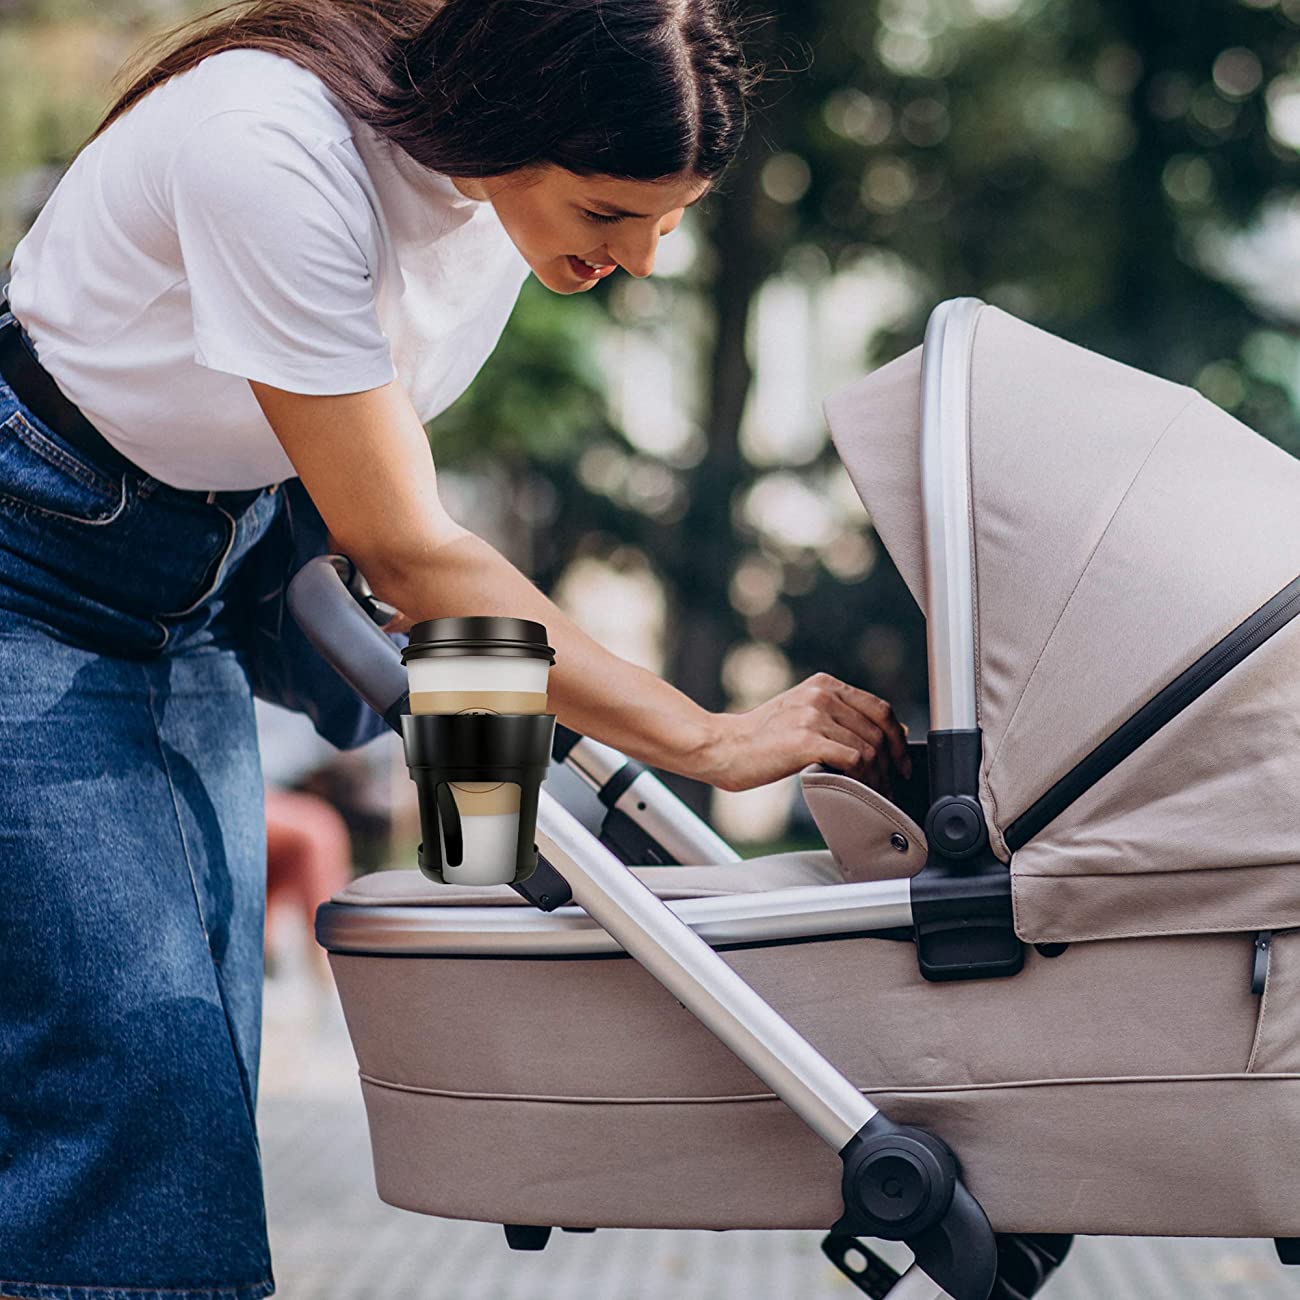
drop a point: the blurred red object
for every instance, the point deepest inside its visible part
(308, 859)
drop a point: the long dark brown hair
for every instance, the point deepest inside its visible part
(635, 89)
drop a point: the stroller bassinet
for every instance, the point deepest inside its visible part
(1105, 1034)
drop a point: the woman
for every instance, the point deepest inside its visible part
(289, 244)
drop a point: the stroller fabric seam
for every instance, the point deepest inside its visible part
(550, 1099)
(909, 828)
(1101, 537)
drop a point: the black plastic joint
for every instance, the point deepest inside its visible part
(898, 1181)
(565, 739)
(954, 762)
(903, 1184)
(616, 787)
(955, 826)
(961, 898)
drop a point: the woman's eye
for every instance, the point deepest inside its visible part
(602, 217)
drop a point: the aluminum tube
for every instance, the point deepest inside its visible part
(946, 506)
(668, 821)
(595, 761)
(698, 978)
(806, 912)
(652, 806)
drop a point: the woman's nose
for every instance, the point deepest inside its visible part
(636, 253)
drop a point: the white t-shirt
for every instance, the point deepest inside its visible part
(237, 223)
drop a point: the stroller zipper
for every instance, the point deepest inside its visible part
(1161, 709)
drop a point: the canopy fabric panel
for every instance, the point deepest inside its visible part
(1196, 832)
(1123, 525)
(875, 425)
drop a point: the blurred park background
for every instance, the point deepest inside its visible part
(1123, 173)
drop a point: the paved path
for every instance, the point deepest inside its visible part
(333, 1239)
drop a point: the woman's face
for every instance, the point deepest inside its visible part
(576, 230)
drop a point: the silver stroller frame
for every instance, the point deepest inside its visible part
(899, 1182)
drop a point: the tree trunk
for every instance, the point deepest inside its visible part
(703, 550)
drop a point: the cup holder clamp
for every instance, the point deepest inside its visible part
(442, 748)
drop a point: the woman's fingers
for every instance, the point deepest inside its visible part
(881, 713)
(872, 768)
(870, 719)
(873, 752)
(860, 725)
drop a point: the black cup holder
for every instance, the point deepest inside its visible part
(446, 747)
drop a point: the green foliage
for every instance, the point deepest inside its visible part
(540, 396)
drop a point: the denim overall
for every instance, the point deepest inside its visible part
(132, 874)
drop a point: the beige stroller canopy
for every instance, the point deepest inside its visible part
(1130, 543)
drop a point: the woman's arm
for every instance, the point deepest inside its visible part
(365, 460)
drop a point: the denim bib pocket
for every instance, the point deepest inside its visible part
(43, 474)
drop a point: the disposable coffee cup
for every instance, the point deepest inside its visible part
(480, 664)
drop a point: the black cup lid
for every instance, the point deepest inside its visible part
(478, 634)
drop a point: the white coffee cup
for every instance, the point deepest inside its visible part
(480, 664)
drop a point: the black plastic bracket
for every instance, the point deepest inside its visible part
(1288, 1250)
(545, 888)
(526, 1236)
(379, 612)
(1026, 1262)
(961, 898)
(631, 843)
(901, 1183)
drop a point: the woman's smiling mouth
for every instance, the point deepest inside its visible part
(585, 270)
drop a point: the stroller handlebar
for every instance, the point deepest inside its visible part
(330, 600)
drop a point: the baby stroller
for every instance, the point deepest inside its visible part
(1055, 989)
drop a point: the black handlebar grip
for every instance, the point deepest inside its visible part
(345, 634)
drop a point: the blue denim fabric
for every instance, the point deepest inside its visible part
(284, 666)
(132, 870)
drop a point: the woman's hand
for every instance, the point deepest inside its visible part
(821, 720)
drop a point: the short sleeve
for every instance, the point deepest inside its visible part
(278, 248)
